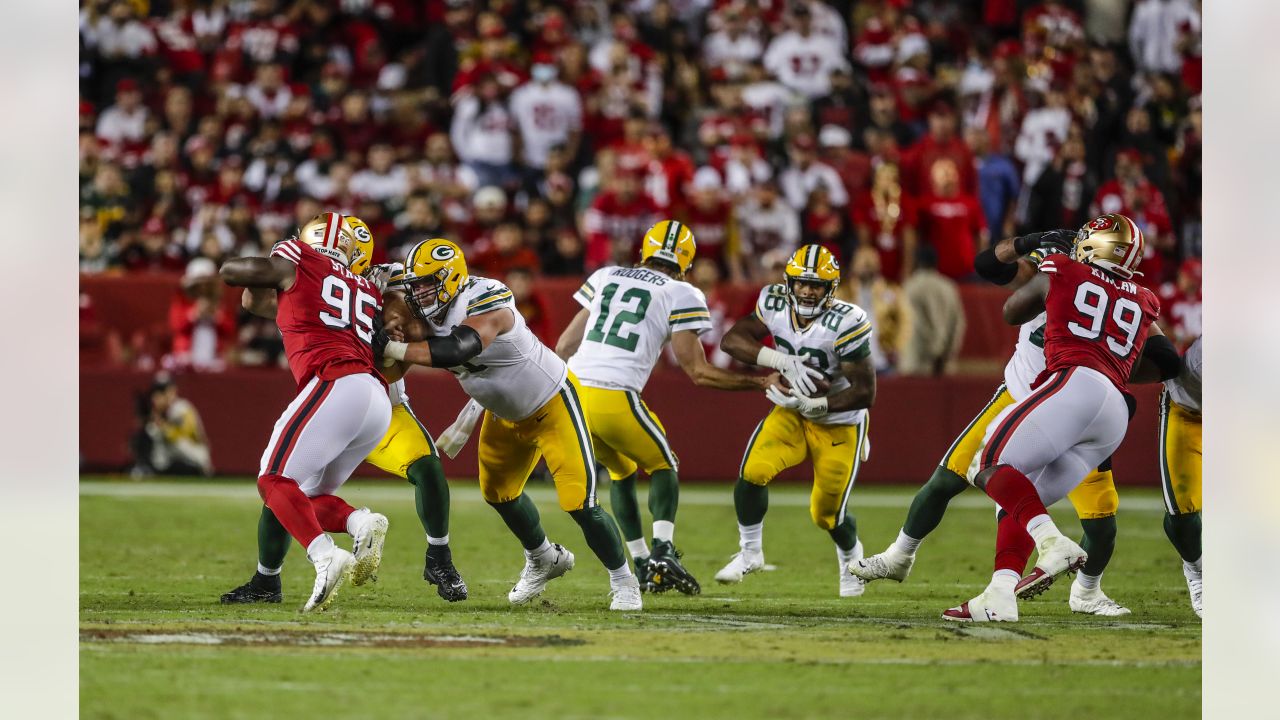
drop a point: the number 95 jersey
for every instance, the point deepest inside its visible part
(633, 312)
(842, 333)
(1095, 319)
(326, 316)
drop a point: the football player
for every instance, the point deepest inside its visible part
(532, 410)
(406, 450)
(1040, 448)
(326, 315)
(1011, 263)
(817, 339)
(628, 315)
(1180, 467)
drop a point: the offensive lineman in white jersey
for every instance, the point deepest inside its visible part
(816, 336)
(532, 410)
(1181, 458)
(628, 315)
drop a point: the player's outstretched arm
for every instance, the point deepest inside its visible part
(571, 338)
(1004, 263)
(1027, 301)
(1159, 361)
(262, 302)
(693, 360)
(273, 273)
(861, 393)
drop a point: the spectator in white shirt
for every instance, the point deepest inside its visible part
(483, 134)
(805, 173)
(268, 92)
(382, 180)
(732, 47)
(1043, 131)
(125, 121)
(768, 232)
(118, 35)
(1154, 33)
(549, 113)
(803, 60)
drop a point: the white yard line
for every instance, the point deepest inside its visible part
(719, 495)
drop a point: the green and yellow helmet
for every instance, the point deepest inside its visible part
(362, 253)
(434, 273)
(671, 241)
(812, 264)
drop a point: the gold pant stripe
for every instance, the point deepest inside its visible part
(570, 397)
(853, 473)
(425, 433)
(659, 438)
(946, 459)
(742, 467)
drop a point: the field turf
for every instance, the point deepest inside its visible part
(155, 643)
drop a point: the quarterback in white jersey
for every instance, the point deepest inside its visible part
(1181, 458)
(532, 410)
(628, 315)
(821, 346)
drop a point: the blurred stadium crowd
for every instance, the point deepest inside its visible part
(546, 137)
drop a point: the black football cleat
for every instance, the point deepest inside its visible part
(439, 571)
(666, 571)
(260, 589)
(645, 576)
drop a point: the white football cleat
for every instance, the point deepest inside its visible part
(369, 535)
(1094, 602)
(1058, 554)
(331, 573)
(626, 595)
(743, 563)
(537, 573)
(892, 564)
(851, 585)
(990, 606)
(1195, 586)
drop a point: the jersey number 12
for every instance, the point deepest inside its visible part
(616, 335)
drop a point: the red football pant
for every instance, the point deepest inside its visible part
(332, 512)
(291, 507)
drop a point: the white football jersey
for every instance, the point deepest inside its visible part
(1028, 358)
(634, 311)
(396, 393)
(546, 114)
(516, 374)
(843, 332)
(1184, 390)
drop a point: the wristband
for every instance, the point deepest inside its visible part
(395, 349)
(770, 358)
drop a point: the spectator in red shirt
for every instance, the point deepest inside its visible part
(941, 142)
(884, 217)
(531, 303)
(203, 330)
(616, 220)
(1131, 194)
(504, 250)
(709, 214)
(951, 221)
(670, 169)
(1181, 304)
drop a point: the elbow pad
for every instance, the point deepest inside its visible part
(1160, 350)
(989, 268)
(455, 348)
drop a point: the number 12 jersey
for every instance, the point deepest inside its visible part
(633, 313)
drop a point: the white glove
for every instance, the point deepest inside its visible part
(812, 408)
(380, 275)
(793, 367)
(455, 437)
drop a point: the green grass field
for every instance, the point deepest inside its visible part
(155, 643)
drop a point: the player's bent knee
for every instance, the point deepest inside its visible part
(757, 475)
(823, 518)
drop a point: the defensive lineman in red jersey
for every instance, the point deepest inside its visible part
(1039, 449)
(326, 317)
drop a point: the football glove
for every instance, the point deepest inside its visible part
(455, 437)
(380, 275)
(798, 373)
(811, 408)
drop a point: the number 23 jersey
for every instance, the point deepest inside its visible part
(842, 333)
(325, 317)
(1095, 319)
(633, 312)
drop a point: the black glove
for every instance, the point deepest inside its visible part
(380, 338)
(1052, 240)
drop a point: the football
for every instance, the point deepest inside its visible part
(823, 385)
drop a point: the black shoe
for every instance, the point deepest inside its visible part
(439, 571)
(666, 572)
(260, 589)
(645, 576)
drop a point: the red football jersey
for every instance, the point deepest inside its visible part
(1095, 319)
(326, 317)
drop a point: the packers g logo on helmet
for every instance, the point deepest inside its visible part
(812, 264)
(434, 273)
(330, 235)
(671, 241)
(362, 255)
(1112, 242)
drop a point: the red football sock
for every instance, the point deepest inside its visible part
(332, 512)
(1013, 545)
(291, 507)
(1015, 494)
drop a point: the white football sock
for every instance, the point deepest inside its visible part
(438, 541)
(906, 544)
(320, 548)
(1004, 580)
(539, 551)
(620, 574)
(1192, 569)
(848, 556)
(751, 537)
(638, 549)
(264, 570)
(355, 517)
(663, 530)
(1041, 528)
(1088, 582)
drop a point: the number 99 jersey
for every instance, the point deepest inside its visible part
(633, 312)
(326, 316)
(842, 333)
(1095, 319)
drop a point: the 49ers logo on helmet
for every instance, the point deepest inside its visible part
(1101, 223)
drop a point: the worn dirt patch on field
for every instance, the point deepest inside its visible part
(322, 639)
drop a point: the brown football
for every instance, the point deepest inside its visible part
(396, 315)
